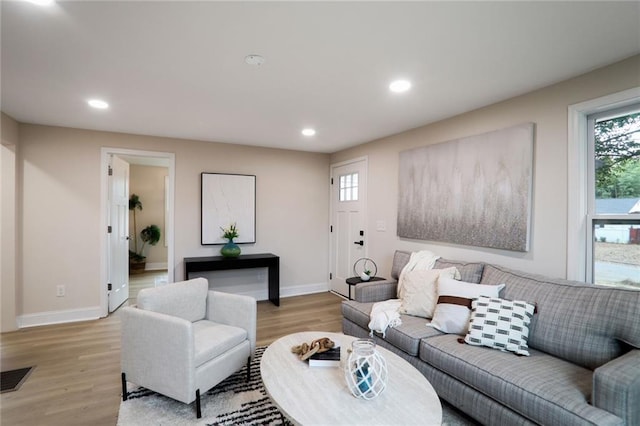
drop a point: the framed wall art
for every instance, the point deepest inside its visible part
(474, 191)
(228, 199)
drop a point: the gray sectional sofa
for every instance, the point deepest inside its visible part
(584, 344)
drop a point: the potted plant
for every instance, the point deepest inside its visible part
(149, 235)
(365, 275)
(230, 249)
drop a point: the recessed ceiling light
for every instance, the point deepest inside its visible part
(97, 103)
(254, 60)
(400, 86)
(308, 132)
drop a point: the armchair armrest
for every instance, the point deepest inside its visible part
(616, 387)
(164, 342)
(234, 309)
(376, 291)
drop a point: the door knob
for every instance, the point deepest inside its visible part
(360, 243)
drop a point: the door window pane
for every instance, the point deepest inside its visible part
(349, 187)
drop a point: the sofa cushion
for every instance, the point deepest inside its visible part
(400, 260)
(405, 337)
(469, 271)
(419, 292)
(582, 323)
(185, 299)
(212, 339)
(453, 310)
(500, 324)
(357, 312)
(542, 388)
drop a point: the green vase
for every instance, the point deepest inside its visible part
(230, 249)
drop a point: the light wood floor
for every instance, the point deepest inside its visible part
(145, 280)
(77, 375)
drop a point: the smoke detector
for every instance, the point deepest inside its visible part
(254, 60)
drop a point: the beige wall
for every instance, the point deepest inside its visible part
(8, 223)
(148, 183)
(62, 199)
(548, 109)
(57, 188)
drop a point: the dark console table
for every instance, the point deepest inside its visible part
(244, 261)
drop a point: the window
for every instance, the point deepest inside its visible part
(613, 197)
(349, 187)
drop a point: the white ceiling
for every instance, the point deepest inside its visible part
(177, 68)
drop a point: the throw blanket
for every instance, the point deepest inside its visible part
(384, 314)
(419, 260)
(387, 314)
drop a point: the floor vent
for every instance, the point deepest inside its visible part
(12, 380)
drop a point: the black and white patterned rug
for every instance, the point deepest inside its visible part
(232, 402)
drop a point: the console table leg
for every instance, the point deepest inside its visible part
(274, 283)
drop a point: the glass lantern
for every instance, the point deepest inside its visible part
(366, 370)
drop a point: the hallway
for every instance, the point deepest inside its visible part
(147, 279)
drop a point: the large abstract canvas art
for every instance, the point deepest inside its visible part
(472, 191)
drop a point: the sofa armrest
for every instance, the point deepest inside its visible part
(376, 291)
(164, 342)
(616, 387)
(236, 310)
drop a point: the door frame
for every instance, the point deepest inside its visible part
(332, 202)
(168, 160)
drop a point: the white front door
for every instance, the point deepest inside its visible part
(348, 213)
(118, 253)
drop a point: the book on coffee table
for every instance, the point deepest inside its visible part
(330, 358)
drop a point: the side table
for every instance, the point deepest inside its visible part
(356, 280)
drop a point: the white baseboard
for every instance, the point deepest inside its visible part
(58, 317)
(289, 291)
(156, 266)
(300, 290)
(88, 314)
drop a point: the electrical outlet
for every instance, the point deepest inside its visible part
(60, 291)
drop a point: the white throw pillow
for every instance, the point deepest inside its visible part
(500, 324)
(453, 310)
(419, 293)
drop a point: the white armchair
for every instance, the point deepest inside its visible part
(182, 339)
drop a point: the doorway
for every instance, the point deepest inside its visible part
(147, 279)
(348, 241)
(148, 184)
(140, 161)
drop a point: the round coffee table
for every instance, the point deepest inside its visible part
(319, 395)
